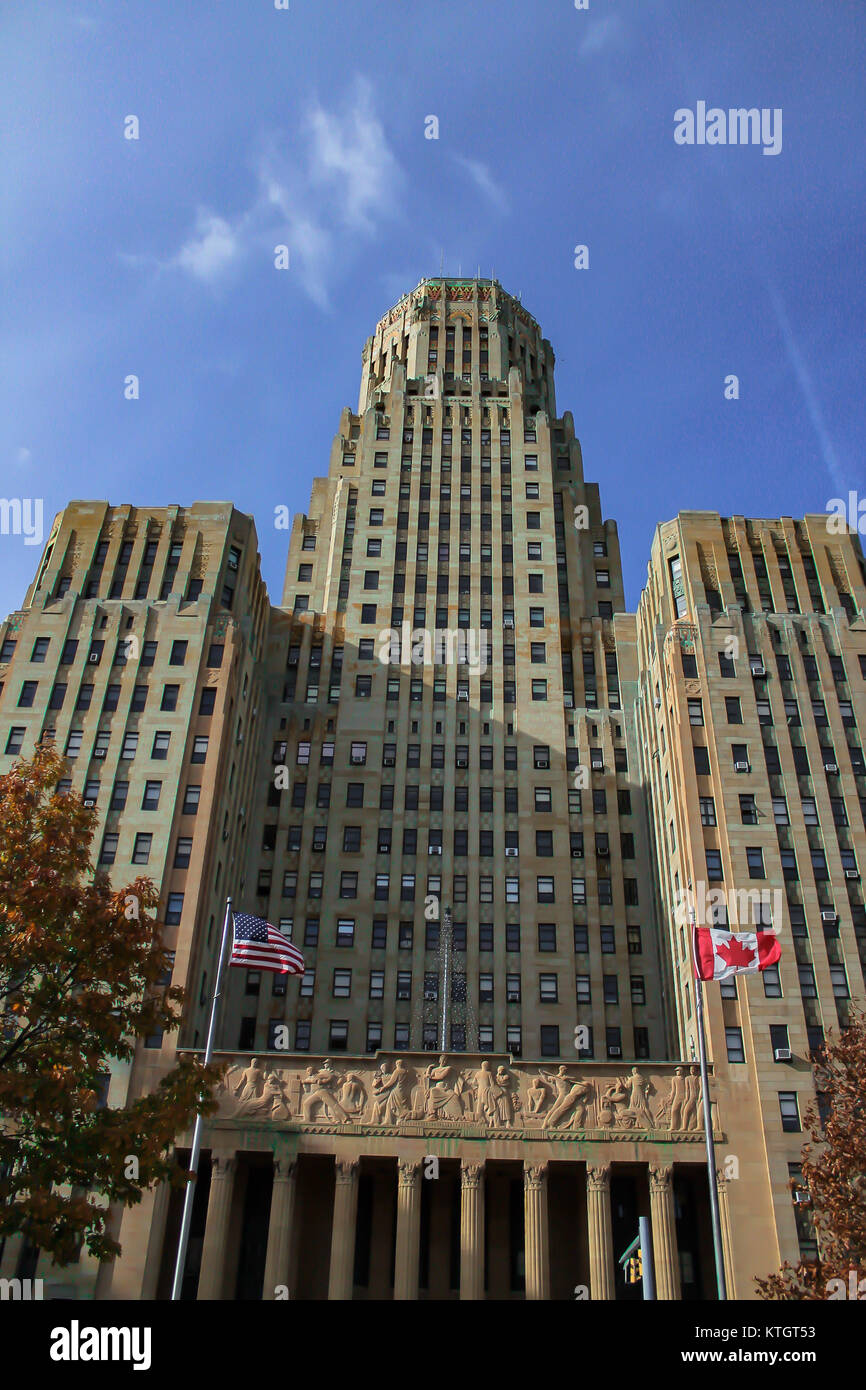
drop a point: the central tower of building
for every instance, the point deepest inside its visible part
(448, 703)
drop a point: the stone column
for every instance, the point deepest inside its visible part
(601, 1276)
(471, 1229)
(211, 1279)
(727, 1232)
(408, 1230)
(340, 1279)
(666, 1260)
(535, 1236)
(280, 1226)
(156, 1240)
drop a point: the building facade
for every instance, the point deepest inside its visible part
(480, 797)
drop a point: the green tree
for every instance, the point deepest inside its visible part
(80, 972)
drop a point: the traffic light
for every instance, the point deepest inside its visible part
(634, 1268)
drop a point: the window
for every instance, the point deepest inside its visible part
(191, 799)
(734, 1044)
(141, 849)
(178, 653)
(150, 800)
(696, 711)
(755, 861)
(549, 1040)
(733, 710)
(108, 853)
(169, 697)
(341, 986)
(174, 909)
(547, 936)
(28, 694)
(708, 810)
(714, 864)
(545, 889)
(702, 760)
(790, 1111)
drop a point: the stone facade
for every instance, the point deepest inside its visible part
(504, 822)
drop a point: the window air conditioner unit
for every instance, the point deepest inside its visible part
(851, 873)
(93, 657)
(542, 763)
(99, 752)
(430, 994)
(402, 994)
(603, 853)
(389, 760)
(800, 1198)
(657, 702)
(462, 694)
(758, 670)
(829, 916)
(434, 849)
(782, 1054)
(568, 701)
(90, 803)
(358, 760)
(742, 767)
(576, 853)
(831, 767)
(462, 762)
(232, 563)
(508, 622)
(513, 998)
(614, 1052)
(511, 853)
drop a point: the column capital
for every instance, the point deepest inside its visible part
(471, 1172)
(534, 1176)
(661, 1176)
(285, 1169)
(346, 1169)
(222, 1162)
(408, 1171)
(598, 1177)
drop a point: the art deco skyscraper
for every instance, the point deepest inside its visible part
(501, 786)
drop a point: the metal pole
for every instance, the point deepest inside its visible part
(189, 1195)
(711, 1151)
(646, 1258)
(446, 980)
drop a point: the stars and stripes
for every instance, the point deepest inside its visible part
(256, 945)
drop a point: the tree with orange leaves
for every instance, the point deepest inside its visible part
(81, 980)
(833, 1179)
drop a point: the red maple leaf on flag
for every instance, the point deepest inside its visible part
(734, 953)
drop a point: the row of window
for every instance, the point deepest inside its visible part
(338, 1038)
(545, 890)
(352, 840)
(547, 935)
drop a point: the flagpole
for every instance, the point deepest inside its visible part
(189, 1196)
(708, 1129)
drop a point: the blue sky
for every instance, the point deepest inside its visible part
(306, 127)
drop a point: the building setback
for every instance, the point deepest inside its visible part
(491, 841)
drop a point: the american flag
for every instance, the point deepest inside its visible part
(259, 946)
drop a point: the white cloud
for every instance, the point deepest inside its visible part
(212, 248)
(340, 180)
(602, 34)
(484, 181)
(23, 456)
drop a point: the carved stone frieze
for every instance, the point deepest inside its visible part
(481, 1097)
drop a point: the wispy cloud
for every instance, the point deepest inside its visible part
(339, 180)
(602, 34)
(807, 387)
(483, 180)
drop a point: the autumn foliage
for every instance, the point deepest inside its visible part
(80, 965)
(834, 1178)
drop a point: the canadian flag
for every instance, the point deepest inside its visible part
(720, 953)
